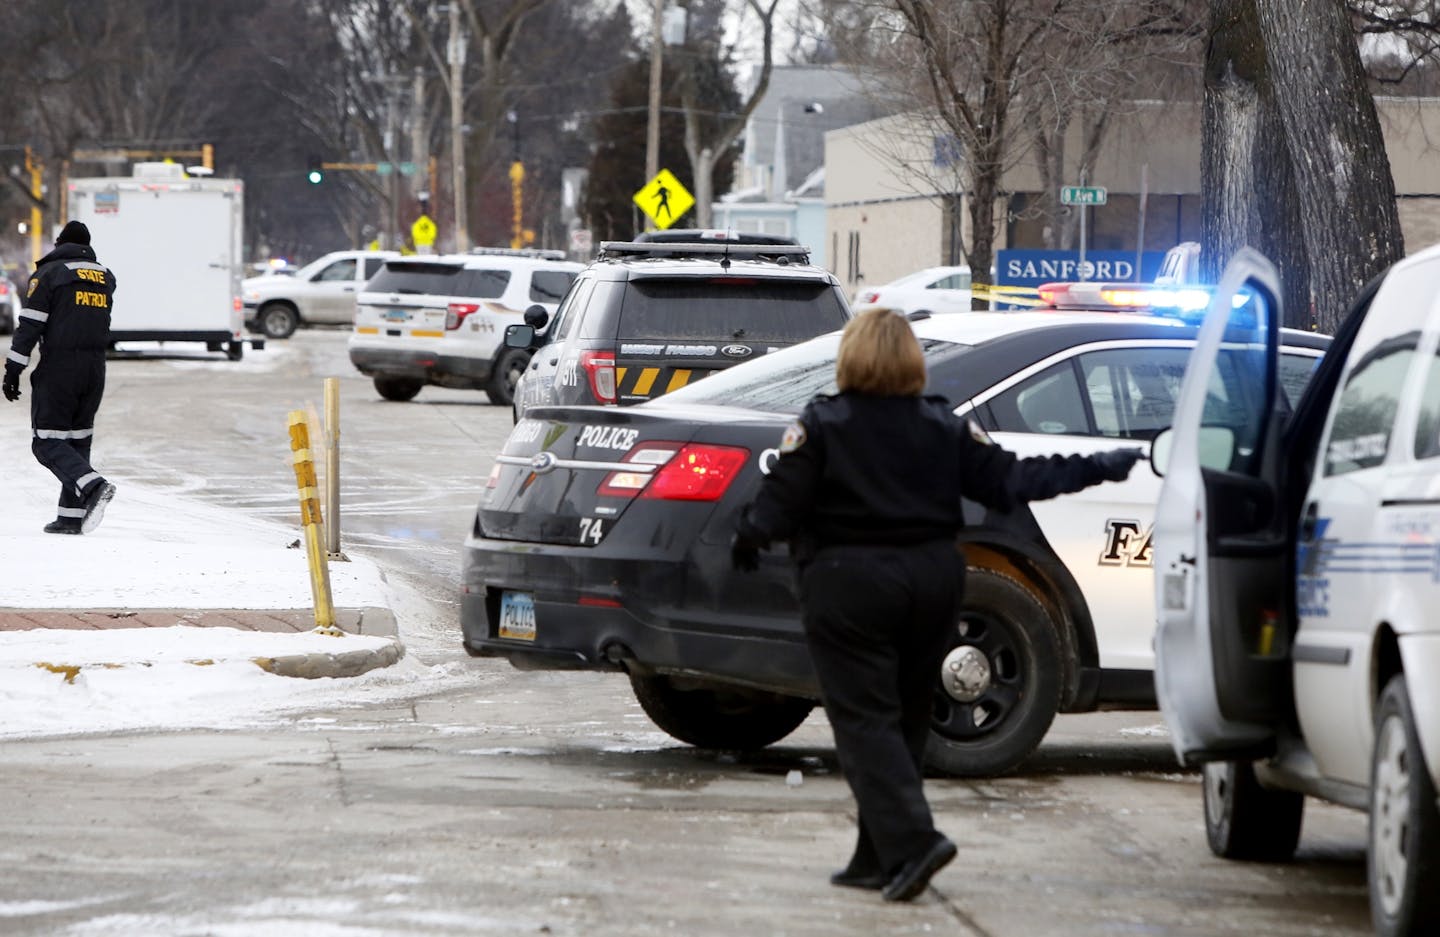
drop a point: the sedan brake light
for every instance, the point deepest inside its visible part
(599, 369)
(688, 471)
(455, 314)
(697, 473)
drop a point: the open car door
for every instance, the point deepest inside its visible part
(1221, 555)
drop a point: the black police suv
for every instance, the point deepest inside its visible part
(648, 317)
(602, 539)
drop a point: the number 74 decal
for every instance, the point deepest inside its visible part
(592, 530)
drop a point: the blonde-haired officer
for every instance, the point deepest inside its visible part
(868, 489)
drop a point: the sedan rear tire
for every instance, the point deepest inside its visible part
(999, 687)
(709, 715)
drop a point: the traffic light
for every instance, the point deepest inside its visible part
(316, 172)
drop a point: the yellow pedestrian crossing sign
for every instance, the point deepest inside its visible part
(664, 199)
(422, 232)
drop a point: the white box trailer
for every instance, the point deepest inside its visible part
(175, 245)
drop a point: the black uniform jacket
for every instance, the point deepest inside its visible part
(864, 470)
(67, 306)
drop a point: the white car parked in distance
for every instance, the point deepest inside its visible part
(1297, 573)
(933, 290)
(323, 292)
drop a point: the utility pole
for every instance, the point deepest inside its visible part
(652, 127)
(457, 127)
(36, 169)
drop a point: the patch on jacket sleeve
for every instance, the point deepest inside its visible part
(978, 433)
(794, 437)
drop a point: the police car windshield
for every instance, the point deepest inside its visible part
(785, 380)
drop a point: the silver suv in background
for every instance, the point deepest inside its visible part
(441, 320)
(323, 292)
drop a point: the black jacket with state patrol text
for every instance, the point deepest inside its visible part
(67, 307)
(865, 470)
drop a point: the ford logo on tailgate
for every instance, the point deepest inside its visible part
(543, 462)
(736, 351)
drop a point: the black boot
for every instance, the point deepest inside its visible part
(96, 497)
(63, 525)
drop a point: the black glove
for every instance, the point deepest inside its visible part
(744, 554)
(11, 386)
(1115, 465)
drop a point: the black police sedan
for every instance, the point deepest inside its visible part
(602, 539)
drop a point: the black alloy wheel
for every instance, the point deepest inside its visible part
(712, 715)
(509, 367)
(999, 686)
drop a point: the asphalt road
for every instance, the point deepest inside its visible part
(540, 803)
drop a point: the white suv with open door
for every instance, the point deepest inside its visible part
(1297, 571)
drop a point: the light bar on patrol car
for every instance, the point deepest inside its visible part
(1125, 297)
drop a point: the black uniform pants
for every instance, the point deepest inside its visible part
(65, 394)
(879, 621)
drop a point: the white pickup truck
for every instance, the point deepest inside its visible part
(322, 292)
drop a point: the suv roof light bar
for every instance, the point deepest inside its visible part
(783, 253)
(520, 252)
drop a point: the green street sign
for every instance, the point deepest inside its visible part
(383, 169)
(1083, 195)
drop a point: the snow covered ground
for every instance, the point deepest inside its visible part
(157, 550)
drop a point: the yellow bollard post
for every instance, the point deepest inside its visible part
(332, 467)
(304, 462)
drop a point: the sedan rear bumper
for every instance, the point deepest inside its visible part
(597, 613)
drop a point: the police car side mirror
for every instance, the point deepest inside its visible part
(1216, 448)
(519, 336)
(536, 317)
(1160, 451)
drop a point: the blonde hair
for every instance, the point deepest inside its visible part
(879, 355)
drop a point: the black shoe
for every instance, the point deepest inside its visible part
(63, 525)
(916, 874)
(851, 878)
(96, 497)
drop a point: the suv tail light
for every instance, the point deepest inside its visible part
(689, 472)
(455, 314)
(600, 371)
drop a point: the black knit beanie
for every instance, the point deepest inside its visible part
(74, 232)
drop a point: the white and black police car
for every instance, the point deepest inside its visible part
(602, 539)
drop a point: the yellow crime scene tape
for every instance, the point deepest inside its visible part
(1027, 296)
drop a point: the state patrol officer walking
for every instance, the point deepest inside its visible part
(868, 488)
(67, 312)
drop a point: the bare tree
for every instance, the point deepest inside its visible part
(1288, 157)
(709, 135)
(997, 78)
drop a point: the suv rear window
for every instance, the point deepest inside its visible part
(729, 308)
(439, 280)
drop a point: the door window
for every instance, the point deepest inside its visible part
(1427, 427)
(373, 265)
(569, 311)
(1132, 391)
(1049, 402)
(1365, 412)
(343, 270)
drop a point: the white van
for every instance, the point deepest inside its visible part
(442, 320)
(1297, 573)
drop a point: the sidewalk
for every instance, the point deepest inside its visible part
(168, 579)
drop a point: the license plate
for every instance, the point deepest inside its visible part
(397, 315)
(517, 616)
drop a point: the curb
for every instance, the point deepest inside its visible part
(373, 621)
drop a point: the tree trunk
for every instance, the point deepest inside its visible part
(1342, 175)
(1246, 181)
(984, 187)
